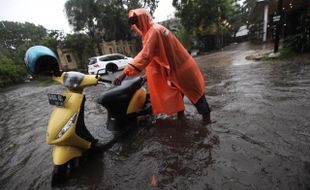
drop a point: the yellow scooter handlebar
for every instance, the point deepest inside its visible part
(76, 80)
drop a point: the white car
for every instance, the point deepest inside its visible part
(107, 63)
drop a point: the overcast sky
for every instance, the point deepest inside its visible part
(50, 13)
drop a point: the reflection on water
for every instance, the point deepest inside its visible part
(260, 139)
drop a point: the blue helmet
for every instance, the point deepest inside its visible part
(41, 60)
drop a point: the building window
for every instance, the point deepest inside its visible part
(110, 49)
(69, 58)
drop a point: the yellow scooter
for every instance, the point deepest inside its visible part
(66, 128)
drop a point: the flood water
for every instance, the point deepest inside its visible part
(260, 138)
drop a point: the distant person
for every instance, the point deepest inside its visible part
(171, 71)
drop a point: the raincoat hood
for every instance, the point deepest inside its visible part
(145, 21)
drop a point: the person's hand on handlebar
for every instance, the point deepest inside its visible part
(119, 79)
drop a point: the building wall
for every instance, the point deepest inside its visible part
(123, 47)
(69, 60)
(292, 11)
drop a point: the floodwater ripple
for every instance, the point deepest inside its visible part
(260, 138)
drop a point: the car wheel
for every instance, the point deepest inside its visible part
(111, 67)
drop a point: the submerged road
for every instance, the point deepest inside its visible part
(260, 138)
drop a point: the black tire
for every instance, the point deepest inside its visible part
(59, 175)
(111, 67)
(74, 164)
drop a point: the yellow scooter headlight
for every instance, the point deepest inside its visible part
(67, 126)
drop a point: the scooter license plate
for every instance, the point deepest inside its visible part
(56, 100)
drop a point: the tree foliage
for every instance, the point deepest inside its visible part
(14, 34)
(53, 39)
(248, 7)
(104, 19)
(239, 16)
(10, 72)
(179, 31)
(201, 16)
(81, 44)
(15, 39)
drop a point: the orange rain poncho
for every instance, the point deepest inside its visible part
(170, 70)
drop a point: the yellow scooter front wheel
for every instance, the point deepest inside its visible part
(63, 157)
(60, 172)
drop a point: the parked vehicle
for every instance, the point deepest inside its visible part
(66, 129)
(107, 63)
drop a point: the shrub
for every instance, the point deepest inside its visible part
(298, 43)
(10, 72)
(287, 53)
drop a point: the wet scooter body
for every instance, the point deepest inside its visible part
(66, 128)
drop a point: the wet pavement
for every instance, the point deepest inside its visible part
(260, 140)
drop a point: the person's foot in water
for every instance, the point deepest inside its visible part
(181, 115)
(206, 118)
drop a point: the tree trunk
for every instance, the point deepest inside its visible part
(99, 47)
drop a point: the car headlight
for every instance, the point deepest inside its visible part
(67, 126)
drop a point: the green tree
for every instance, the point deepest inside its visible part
(81, 43)
(14, 34)
(103, 19)
(83, 15)
(179, 31)
(10, 72)
(151, 5)
(53, 39)
(199, 16)
(206, 19)
(112, 21)
(15, 39)
(247, 7)
(237, 18)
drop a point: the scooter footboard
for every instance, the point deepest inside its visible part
(62, 154)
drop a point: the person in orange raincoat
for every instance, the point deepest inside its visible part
(170, 70)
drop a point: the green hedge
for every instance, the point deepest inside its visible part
(298, 43)
(11, 72)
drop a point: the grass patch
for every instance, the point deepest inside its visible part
(258, 57)
(44, 82)
(286, 53)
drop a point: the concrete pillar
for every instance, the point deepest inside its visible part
(265, 22)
